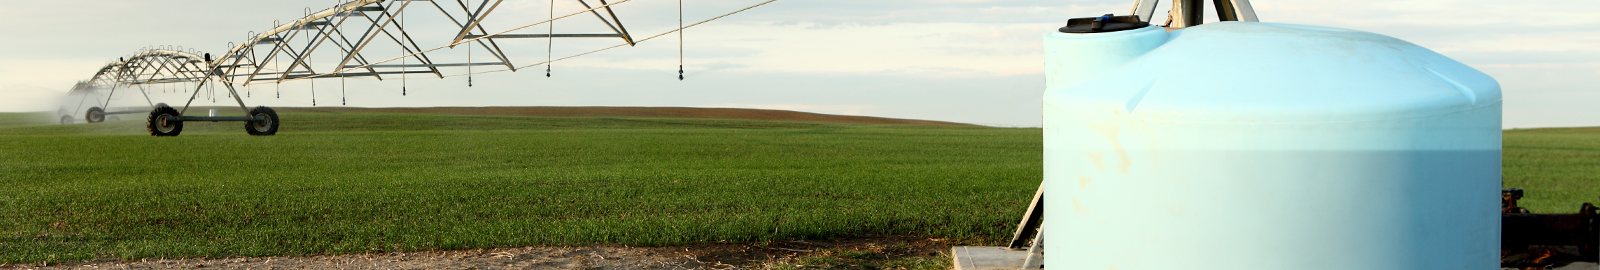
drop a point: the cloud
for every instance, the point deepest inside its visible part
(1570, 58)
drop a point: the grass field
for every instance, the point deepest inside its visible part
(334, 183)
(1559, 168)
(345, 183)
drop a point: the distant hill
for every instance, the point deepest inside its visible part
(646, 112)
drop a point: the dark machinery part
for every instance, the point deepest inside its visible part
(266, 125)
(95, 115)
(1226, 11)
(1104, 23)
(1193, 12)
(1508, 202)
(164, 121)
(1545, 240)
(66, 119)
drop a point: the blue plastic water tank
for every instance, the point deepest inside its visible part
(1245, 145)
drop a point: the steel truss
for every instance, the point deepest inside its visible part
(281, 54)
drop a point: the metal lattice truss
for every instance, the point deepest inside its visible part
(351, 31)
(291, 43)
(153, 66)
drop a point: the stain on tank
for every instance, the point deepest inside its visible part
(1076, 209)
(1095, 157)
(1111, 130)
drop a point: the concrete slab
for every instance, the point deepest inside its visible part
(996, 258)
(987, 258)
(1571, 266)
(1579, 266)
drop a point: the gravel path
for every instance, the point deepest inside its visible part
(707, 256)
(503, 258)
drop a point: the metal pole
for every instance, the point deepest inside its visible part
(472, 21)
(1193, 13)
(364, 43)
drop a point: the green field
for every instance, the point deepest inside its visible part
(1559, 168)
(348, 183)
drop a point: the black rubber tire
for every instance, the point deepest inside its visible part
(95, 115)
(265, 127)
(66, 120)
(163, 121)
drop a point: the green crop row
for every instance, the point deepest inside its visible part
(426, 182)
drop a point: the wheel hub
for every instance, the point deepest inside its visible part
(166, 124)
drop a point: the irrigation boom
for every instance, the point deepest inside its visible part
(283, 54)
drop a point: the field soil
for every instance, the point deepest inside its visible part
(632, 112)
(860, 253)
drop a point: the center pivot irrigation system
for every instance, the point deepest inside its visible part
(283, 54)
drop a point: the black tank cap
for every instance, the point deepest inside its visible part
(1104, 23)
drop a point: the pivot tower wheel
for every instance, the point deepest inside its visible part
(95, 115)
(266, 122)
(164, 121)
(66, 120)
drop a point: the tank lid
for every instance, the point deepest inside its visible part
(1104, 23)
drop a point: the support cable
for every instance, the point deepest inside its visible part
(680, 40)
(278, 85)
(307, 58)
(550, 42)
(472, 20)
(403, 50)
(339, 28)
(661, 34)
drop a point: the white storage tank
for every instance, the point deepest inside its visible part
(1247, 145)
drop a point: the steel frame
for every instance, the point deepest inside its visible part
(323, 28)
(260, 58)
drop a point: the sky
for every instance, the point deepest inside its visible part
(968, 61)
